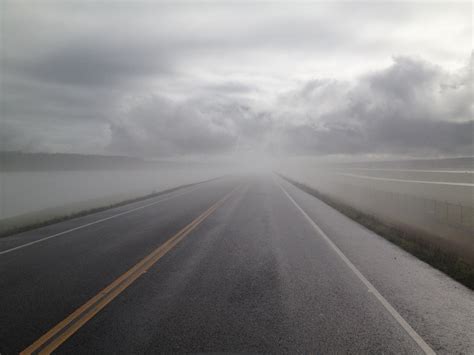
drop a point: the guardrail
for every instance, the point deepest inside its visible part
(436, 205)
(405, 207)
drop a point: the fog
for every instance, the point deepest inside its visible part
(235, 88)
(71, 191)
(430, 199)
(236, 176)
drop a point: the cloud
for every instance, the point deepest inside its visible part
(160, 79)
(97, 63)
(232, 87)
(159, 127)
(156, 126)
(412, 107)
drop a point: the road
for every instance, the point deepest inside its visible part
(242, 264)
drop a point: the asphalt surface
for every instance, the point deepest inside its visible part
(271, 269)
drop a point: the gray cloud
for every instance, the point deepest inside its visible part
(179, 79)
(160, 127)
(232, 87)
(96, 62)
(412, 107)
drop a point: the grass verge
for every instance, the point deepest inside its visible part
(427, 247)
(46, 222)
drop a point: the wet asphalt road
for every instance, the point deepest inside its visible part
(254, 276)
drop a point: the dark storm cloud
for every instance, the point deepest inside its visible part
(160, 127)
(412, 107)
(96, 62)
(175, 79)
(25, 99)
(412, 137)
(232, 87)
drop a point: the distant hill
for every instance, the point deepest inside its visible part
(18, 161)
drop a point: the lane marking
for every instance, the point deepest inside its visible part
(410, 181)
(67, 327)
(403, 323)
(415, 170)
(98, 221)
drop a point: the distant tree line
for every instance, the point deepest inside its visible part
(19, 161)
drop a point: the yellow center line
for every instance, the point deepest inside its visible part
(67, 327)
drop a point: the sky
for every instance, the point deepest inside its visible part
(168, 79)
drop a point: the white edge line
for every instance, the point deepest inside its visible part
(415, 170)
(95, 222)
(410, 181)
(403, 323)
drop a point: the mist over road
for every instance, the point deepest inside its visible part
(241, 263)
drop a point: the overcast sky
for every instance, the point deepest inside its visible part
(163, 79)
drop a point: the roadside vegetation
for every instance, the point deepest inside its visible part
(424, 246)
(15, 229)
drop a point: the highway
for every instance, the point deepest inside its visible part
(241, 264)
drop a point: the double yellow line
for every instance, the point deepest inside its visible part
(63, 330)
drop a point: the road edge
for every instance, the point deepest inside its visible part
(82, 213)
(405, 238)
